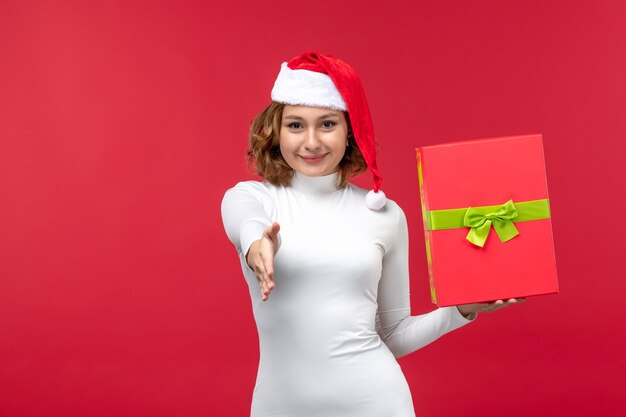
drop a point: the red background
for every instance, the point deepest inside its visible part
(123, 123)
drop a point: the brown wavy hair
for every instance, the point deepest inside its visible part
(264, 152)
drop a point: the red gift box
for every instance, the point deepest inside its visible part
(457, 181)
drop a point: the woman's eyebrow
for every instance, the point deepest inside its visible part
(328, 115)
(323, 116)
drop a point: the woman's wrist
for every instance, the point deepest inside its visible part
(469, 315)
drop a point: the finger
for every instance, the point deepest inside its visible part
(267, 263)
(501, 303)
(261, 276)
(268, 278)
(273, 230)
(269, 272)
(265, 291)
(266, 285)
(506, 303)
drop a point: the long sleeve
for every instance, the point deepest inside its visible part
(245, 215)
(400, 331)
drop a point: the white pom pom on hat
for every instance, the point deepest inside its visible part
(374, 200)
(318, 80)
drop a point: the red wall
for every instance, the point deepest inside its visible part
(122, 123)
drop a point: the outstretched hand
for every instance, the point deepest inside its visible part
(260, 259)
(471, 309)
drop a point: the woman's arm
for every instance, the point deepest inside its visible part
(244, 216)
(253, 233)
(400, 331)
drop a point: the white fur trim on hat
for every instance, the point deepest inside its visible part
(306, 88)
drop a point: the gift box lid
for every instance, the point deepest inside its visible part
(483, 172)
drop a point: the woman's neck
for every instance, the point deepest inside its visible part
(315, 185)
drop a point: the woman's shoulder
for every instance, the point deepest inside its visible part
(391, 211)
(362, 192)
(261, 191)
(253, 186)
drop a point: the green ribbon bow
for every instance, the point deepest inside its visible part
(480, 221)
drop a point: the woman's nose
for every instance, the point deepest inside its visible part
(311, 142)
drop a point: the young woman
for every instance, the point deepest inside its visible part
(333, 256)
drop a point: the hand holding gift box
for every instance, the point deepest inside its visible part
(487, 220)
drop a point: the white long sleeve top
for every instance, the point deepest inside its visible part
(340, 311)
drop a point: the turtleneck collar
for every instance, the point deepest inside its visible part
(315, 185)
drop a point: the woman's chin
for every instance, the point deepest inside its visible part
(314, 171)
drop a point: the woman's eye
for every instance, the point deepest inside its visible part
(294, 125)
(328, 124)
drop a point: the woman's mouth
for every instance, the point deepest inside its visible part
(312, 158)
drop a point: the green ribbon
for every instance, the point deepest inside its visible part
(480, 222)
(481, 219)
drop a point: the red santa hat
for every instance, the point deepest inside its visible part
(318, 80)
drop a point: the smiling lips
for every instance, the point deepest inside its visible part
(312, 159)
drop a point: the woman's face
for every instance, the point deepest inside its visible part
(313, 139)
